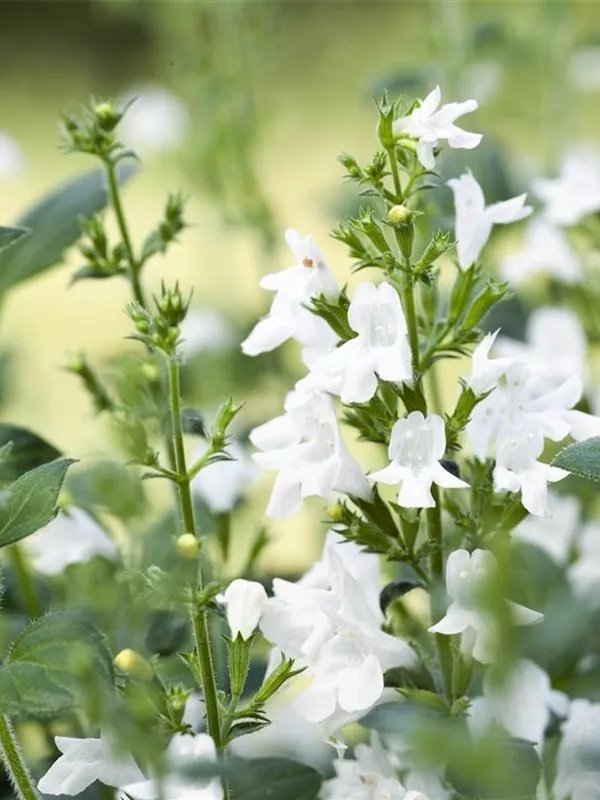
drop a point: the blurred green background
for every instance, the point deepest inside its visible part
(273, 91)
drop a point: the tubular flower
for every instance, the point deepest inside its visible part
(244, 602)
(429, 124)
(417, 444)
(380, 348)
(306, 447)
(474, 220)
(294, 287)
(467, 578)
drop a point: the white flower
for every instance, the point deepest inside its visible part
(244, 602)
(205, 330)
(416, 446)
(517, 469)
(380, 349)
(295, 286)
(575, 193)
(468, 576)
(330, 622)
(84, 761)
(155, 121)
(367, 776)
(305, 445)
(546, 251)
(72, 537)
(12, 160)
(555, 344)
(288, 735)
(522, 703)
(474, 220)
(222, 483)
(185, 752)
(428, 124)
(555, 533)
(578, 759)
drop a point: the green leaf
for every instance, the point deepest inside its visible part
(54, 665)
(30, 502)
(54, 225)
(581, 458)
(27, 452)
(274, 779)
(9, 236)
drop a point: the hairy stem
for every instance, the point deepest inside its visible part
(198, 615)
(408, 302)
(14, 764)
(115, 197)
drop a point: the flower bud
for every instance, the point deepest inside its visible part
(134, 665)
(399, 215)
(107, 115)
(187, 545)
(244, 601)
(335, 512)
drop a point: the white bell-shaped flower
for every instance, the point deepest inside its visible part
(416, 446)
(368, 776)
(578, 758)
(468, 576)
(294, 287)
(84, 761)
(575, 192)
(522, 703)
(306, 448)
(380, 348)
(244, 602)
(72, 537)
(429, 125)
(546, 251)
(184, 753)
(518, 470)
(474, 220)
(330, 622)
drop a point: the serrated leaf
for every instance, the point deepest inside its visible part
(30, 502)
(27, 452)
(52, 665)
(9, 236)
(274, 779)
(54, 225)
(581, 458)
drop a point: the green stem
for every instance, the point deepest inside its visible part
(436, 567)
(395, 173)
(115, 196)
(14, 764)
(408, 302)
(198, 615)
(23, 577)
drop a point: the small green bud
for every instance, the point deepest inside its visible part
(187, 545)
(107, 115)
(134, 665)
(150, 371)
(335, 512)
(385, 123)
(401, 219)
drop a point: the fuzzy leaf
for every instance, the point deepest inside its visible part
(54, 225)
(27, 452)
(30, 502)
(274, 779)
(581, 458)
(52, 665)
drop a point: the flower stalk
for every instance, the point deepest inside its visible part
(14, 763)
